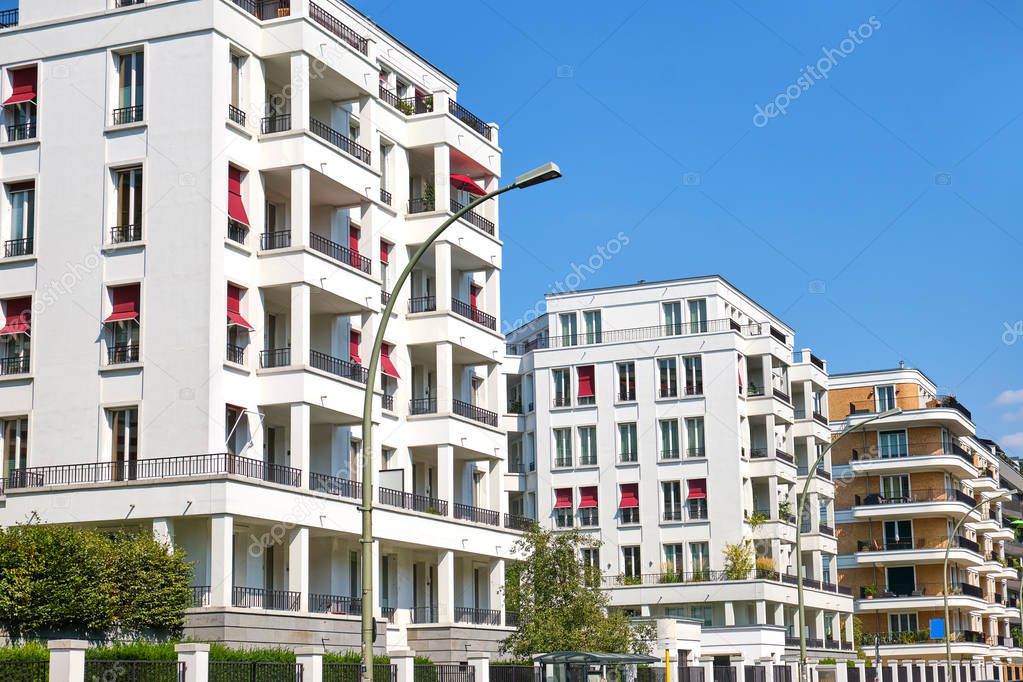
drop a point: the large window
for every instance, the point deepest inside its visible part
(698, 316)
(892, 444)
(672, 318)
(671, 491)
(14, 431)
(626, 381)
(697, 498)
(562, 448)
(128, 199)
(898, 535)
(588, 506)
(699, 560)
(895, 488)
(15, 338)
(124, 441)
(563, 508)
(591, 320)
(123, 324)
(885, 397)
(130, 87)
(695, 446)
(902, 622)
(20, 106)
(667, 375)
(587, 445)
(23, 214)
(569, 329)
(674, 559)
(627, 442)
(693, 367)
(236, 430)
(628, 504)
(562, 387)
(669, 438)
(632, 565)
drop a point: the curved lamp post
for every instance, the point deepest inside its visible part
(801, 504)
(549, 171)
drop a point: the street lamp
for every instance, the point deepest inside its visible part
(544, 173)
(801, 504)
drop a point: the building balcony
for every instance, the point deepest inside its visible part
(410, 106)
(922, 596)
(918, 550)
(337, 605)
(8, 18)
(474, 314)
(413, 502)
(470, 119)
(467, 512)
(923, 457)
(14, 248)
(236, 115)
(475, 616)
(21, 132)
(122, 354)
(12, 366)
(339, 141)
(260, 598)
(928, 502)
(338, 28)
(125, 234)
(265, 9)
(128, 115)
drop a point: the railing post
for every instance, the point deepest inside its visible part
(67, 660)
(404, 661)
(196, 657)
(479, 663)
(311, 660)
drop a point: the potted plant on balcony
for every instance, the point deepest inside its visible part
(869, 591)
(669, 574)
(739, 560)
(765, 568)
(785, 508)
(756, 519)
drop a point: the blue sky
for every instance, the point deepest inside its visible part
(879, 215)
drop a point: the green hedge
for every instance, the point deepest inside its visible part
(164, 651)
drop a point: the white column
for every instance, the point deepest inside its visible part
(163, 532)
(300, 323)
(495, 484)
(404, 662)
(298, 565)
(761, 608)
(300, 440)
(442, 274)
(311, 660)
(67, 660)
(446, 474)
(375, 558)
(445, 369)
(196, 657)
(299, 91)
(442, 176)
(818, 624)
(729, 614)
(495, 583)
(446, 586)
(848, 632)
(300, 206)
(495, 388)
(221, 559)
(480, 665)
(492, 293)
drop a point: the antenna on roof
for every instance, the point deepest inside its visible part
(902, 364)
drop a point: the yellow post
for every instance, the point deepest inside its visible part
(667, 664)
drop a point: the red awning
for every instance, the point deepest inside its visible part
(235, 205)
(563, 498)
(125, 303)
(18, 316)
(630, 496)
(385, 252)
(464, 182)
(586, 381)
(385, 362)
(234, 315)
(697, 489)
(354, 338)
(588, 497)
(23, 86)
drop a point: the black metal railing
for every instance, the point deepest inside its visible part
(342, 487)
(826, 530)
(424, 614)
(336, 604)
(278, 123)
(431, 672)
(473, 218)
(262, 598)
(465, 614)
(418, 104)
(237, 231)
(467, 512)
(782, 395)
(340, 253)
(236, 115)
(269, 241)
(275, 357)
(422, 304)
(515, 522)
(421, 205)
(387, 401)
(346, 34)
(265, 9)
(121, 234)
(511, 620)
(14, 365)
(472, 313)
(414, 502)
(352, 672)
(469, 119)
(925, 495)
(631, 334)
(254, 671)
(235, 354)
(134, 671)
(9, 18)
(336, 139)
(128, 3)
(122, 353)
(345, 369)
(25, 671)
(17, 132)
(18, 247)
(422, 406)
(200, 596)
(385, 196)
(126, 115)
(474, 412)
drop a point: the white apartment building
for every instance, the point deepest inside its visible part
(204, 204)
(668, 420)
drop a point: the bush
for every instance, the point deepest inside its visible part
(29, 651)
(133, 651)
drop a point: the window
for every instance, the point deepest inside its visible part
(15, 339)
(590, 557)
(354, 343)
(672, 318)
(124, 443)
(823, 508)
(669, 438)
(633, 568)
(628, 506)
(697, 499)
(895, 488)
(562, 387)
(668, 378)
(699, 558)
(122, 324)
(237, 217)
(695, 446)
(569, 330)
(902, 622)
(20, 106)
(22, 197)
(626, 381)
(128, 199)
(588, 506)
(627, 442)
(385, 262)
(586, 385)
(898, 535)
(130, 83)
(693, 367)
(674, 560)
(587, 445)
(14, 431)
(885, 397)
(563, 508)
(698, 316)
(892, 444)
(591, 320)
(237, 61)
(563, 447)
(672, 493)
(818, 402)
(236, 430)
(238, 327)
(705, 614)
(385, 172)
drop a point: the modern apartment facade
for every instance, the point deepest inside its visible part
(906, 481)
(669, 420)
(204, 205)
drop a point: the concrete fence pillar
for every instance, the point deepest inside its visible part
(196, 657)
(67, 660)
(480, 665)
(404, 661)
(311, 660)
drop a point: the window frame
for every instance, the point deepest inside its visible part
(672, 453)
(629, 381)
(696, 451)
(664, 366)
(561, 393)
(587, 458)
(693, 384)
(563, 455)
(672, 508)
(633, 429)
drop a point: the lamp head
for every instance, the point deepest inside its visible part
(548, 171)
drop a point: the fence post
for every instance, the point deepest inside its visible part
(480, 665)
(196, 657)
(311, 660)
(404, 661)
(67, 660)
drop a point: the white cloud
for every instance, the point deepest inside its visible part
(1010, 397)
(1013, 415)
(1012, 440)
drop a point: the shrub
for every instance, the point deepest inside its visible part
(29, 651)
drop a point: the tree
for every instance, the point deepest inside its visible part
(560, 603)
(739, 560)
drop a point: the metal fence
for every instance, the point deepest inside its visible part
(24, 671)
(443, 673)
(691, 673)
(134, 671)
(352, 672)
(254, 671)
(515, 673)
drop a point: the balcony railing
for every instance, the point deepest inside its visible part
(236, 231)
(200, 596)
(782, 395)
(14, 365)
(926, 495)
(469, 119)
(269, 241)
(335, 604)
(385, 196)
(342, 254)
(122, 234)
(419, 503)
(387, 401)
(345, 369)
(422, 406)
(475, 616)
(126, 115)
(18, 247)
(473, 412)
(709, 576)
(236, 115)
(186, 466)
(515, 522)
(467, 512)
(926, 449)
(18, 132)
(275, 357)
(422, 304)
(332, 485)
(418, 104)
(826, 530)
(916, 543)
(426, 614)
(473, 313)
(336, 139)
(265, 9)
(420, 205)
(235, 354)
(473, 218)
(260, 598)
(8, 18)
(122, 354)
(346, 34)
(278, 123)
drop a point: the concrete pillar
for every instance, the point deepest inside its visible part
(446, 473)
(779, 609)
(495, 583)
(163, 532)
(300, 324)
(441, 175)
(299, 91)
(492, 291)
(404, 662)
(847, 631)
(761, 607)
(221, 559)
(772, 506)
(196, 657)
(67, 660)
(298, 565)
(375, 559)
(495, 384)
(446, 586)
(729, 614)
(818, 624)
(300, 440)
(442, 275)
(300, 203)
(445, 380)
(311, 660)
(480, 665)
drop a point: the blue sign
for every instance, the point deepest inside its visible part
(937, 628)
